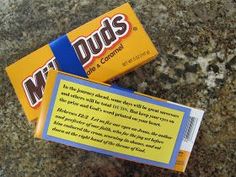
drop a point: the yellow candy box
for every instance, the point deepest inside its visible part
(107, 119)
(102, 49)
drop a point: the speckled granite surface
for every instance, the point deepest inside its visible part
(197, 67)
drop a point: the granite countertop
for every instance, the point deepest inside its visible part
(197, 67)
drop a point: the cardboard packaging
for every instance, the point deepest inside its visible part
(102, 49)
(115, 121)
